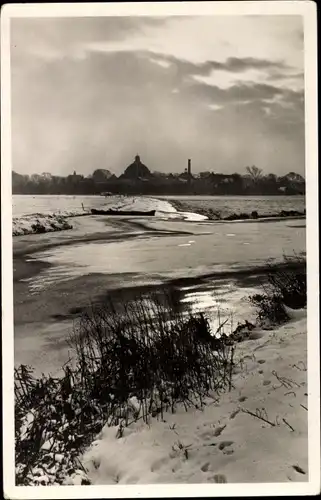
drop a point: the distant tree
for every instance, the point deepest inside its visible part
(101, 175)
(272, 177)
(255, 173)
(267, 184)
(293, 183)
(46, 176)
(203, 175)
(237, 183)
(294, 177)
(36, 178)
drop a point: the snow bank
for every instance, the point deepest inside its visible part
(241, 208)
(139, 203)
(39, 223)
(164, 209)
(258, 432)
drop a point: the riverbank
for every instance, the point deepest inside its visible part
(33, 215)
(195, 205)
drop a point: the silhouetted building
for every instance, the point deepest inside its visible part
(75, 177)
(187, 174)
(136, 170)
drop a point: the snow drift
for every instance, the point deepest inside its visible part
(39, 223)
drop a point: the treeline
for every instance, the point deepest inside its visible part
(206, 183)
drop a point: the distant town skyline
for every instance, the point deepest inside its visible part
(91, 93)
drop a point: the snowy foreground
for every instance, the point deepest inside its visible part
(258, 432)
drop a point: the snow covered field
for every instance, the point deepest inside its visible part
(50, 204)
(29, 210)
(258, 432)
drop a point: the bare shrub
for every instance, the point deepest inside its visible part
(286, 285)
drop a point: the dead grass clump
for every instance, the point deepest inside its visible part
(144, 349)
(285, 286)
(133, 360)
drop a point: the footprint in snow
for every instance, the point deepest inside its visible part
(219, 478)
(96, 463)
(242, 398)
(225, 444)
(205, 467)
(219, 431)
(234, 413)
(266, 382)
(261, 361)
(298, 469)
(206, 435)
(158, 464)
(132, 480)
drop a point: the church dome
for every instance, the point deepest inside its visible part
(137, 169)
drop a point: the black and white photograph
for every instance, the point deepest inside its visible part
(160, 249)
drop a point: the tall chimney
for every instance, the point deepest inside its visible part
(189, 168)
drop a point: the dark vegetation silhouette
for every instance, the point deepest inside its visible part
(284, 287)
(137, 179)
(143, 351)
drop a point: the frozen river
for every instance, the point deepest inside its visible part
(207, 247)
(56, 275)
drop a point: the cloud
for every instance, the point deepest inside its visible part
(215, 107)
(234, 71)
(231, 64)
(236, 93)
(54, 38)
(92, 93)
(202, 38)
(239, 64)
(161, 62)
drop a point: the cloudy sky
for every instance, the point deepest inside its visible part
(90, 93)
